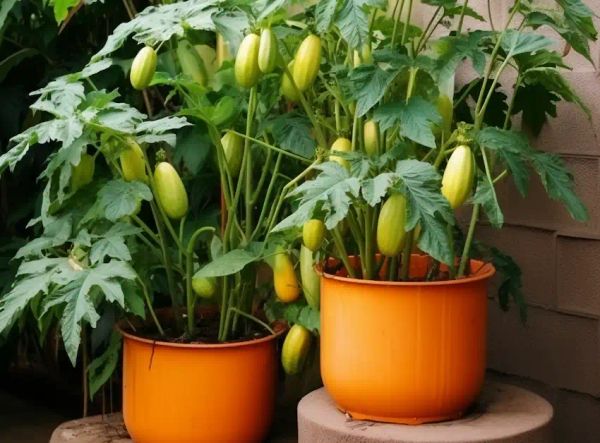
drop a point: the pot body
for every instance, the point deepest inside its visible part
(190, 393)
(404, 352)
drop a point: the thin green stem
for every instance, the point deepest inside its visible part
(467, 247)
(369, 257)
(405, 271)
(396, 19)
(146, 228)
(462, 17)
(267, 199)
(161, 331)
(274, 148)
(424, 36)
(408, 20)
(253, 318)
(339, 245)
(189, 270)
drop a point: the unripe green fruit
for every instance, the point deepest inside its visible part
(132, 162)
(307, 62)
(459, 174)
(287, 87)
(83, 173)
(284, 278)
(342, 144)
(371, 138)
(391, 225)
(233, 146)
(170, 192)
(267, 51)
(246, 68)
(313, 232)
(205, 287)
(295, 349)
(311, 281)
(191, 63)
(143, 68)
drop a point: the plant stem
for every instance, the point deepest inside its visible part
(462, 17)
(339, 244)
(189, 269)
(408, 20)
(369, 257)
(161, 331)
(274, 148)
(248, 165)
(405, 271)
(396, 19)
(465, 253)
(267, 198)
(253, 318)
(424, 36)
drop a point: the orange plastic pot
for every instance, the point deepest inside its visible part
(190, 393)
(404, 352)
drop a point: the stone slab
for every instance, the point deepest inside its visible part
(503, 414)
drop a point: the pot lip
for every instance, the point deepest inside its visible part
(486, 271)
(167, 344)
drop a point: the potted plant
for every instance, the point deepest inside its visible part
(159, 223)
(403, 288)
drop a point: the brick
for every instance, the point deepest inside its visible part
(571, 132)
(538, 210)
(557, 349)
(533, 250)
(578, 279)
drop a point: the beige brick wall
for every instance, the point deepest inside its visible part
(557, 353)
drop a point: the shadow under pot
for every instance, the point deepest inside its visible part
(188, 393)
(404, 352)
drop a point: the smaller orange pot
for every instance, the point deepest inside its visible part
(190, 393)
(404, 352)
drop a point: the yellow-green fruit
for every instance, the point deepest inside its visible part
(313, 232)
(295, 349)
(364, 56)
(246, 62)
(191, 63)
(287, 87)
(457, 181)
(371, 137)
(170, 192)
(267, 51)
(307, 62)
(143, 68)
(284, 278)
(204, 287)
(341, 145)
(132, 161)
(446, 110)
(233, 145)
(311, 281)
(391, 224)
(83, 173)
(222, 51)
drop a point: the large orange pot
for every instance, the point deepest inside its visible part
(190, 393)
(404, 352)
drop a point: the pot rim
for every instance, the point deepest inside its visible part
(237, 344)
(485, 271)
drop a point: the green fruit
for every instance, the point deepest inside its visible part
(341, 145)
(311, 281)
(233, 146)
(82, 173)
(191, 64)
(246, 68)
(222, 51)
(459, 174)
(307, 62)
(132, 162)
(170, 192)
(295, 349)
(446, 110)
(143, 68)
(284, 278)
(287, 87)
(205, 287)
(371, 137)
(267, 51)
(313, 232)
(364, 56)
(390, 226)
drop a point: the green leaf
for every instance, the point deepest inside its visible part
(292, 133)
(514, 150)
(416, 119)
(229, 263)
(536, 104)
(119, 198)
(5, 8)
(421, 184)
(452, 50)
(353, 21)
(61, 8)
(511, 285)
(232, 25)
(485, 195)
(56, 233)
(324, 13)
(101, 368)
(154, 131)
(60, 97)
(516, 42)
(193, 148)
(579, 17)
(112, 243)
(331, 192)
(270, 7)
(368, 84)
(559, 183)
(298, 312)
